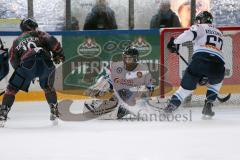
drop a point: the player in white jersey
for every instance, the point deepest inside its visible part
(207, 62)
(128, 80)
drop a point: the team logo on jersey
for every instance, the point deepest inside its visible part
(127, 82)
(143, 46)
(139, 74)
(119, 70)
(89, 48)
(116, 80)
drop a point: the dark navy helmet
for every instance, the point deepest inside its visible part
(130, 52)
(28, 24)
(204, 17)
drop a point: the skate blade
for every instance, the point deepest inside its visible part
(206, 117)
(55, 122)
(2, 124)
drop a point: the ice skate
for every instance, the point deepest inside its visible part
(54, 113)
(170, 108)
(3, 115)
(187, 101)
(122, 112)
(2, 121)
(207, 110)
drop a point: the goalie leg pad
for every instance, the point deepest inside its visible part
(99, 107)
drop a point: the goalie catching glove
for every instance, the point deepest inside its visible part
(172, 47)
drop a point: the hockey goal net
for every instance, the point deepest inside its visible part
(172, 67)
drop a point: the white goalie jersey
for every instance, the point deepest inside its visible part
(205, 37)
(127, 87)
(130, 85)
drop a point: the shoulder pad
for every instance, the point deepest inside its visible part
(194, 27)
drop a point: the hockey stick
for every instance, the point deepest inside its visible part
(1, 43)
(66, 115)
(2, 93)
(222, 100)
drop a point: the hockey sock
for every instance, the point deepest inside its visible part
(8, 100)
(9, 97)
(175, 101)
(212, 92)
(211, 96)
(180, 95)
(51, 96)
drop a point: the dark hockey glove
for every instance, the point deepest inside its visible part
(58, 58)
(173, 48)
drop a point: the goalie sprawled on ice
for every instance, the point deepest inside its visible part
(128, 80)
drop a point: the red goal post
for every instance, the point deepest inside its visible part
(172, 68)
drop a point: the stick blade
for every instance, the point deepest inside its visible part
(224, 99)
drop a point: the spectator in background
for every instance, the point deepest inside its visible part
(101, 17)
(184, 12)
(165, 17)
(74, 24)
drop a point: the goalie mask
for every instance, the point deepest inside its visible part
(204, 17)
(130, 56)
(28, 24)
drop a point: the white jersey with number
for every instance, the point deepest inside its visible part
(135, 81)
(205, 37)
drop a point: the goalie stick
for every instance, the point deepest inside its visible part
(65, 114)
(222, 100)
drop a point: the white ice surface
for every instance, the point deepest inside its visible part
(29, 135)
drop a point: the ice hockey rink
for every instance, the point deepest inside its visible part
(30, 135)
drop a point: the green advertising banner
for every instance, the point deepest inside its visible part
(88, 53)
